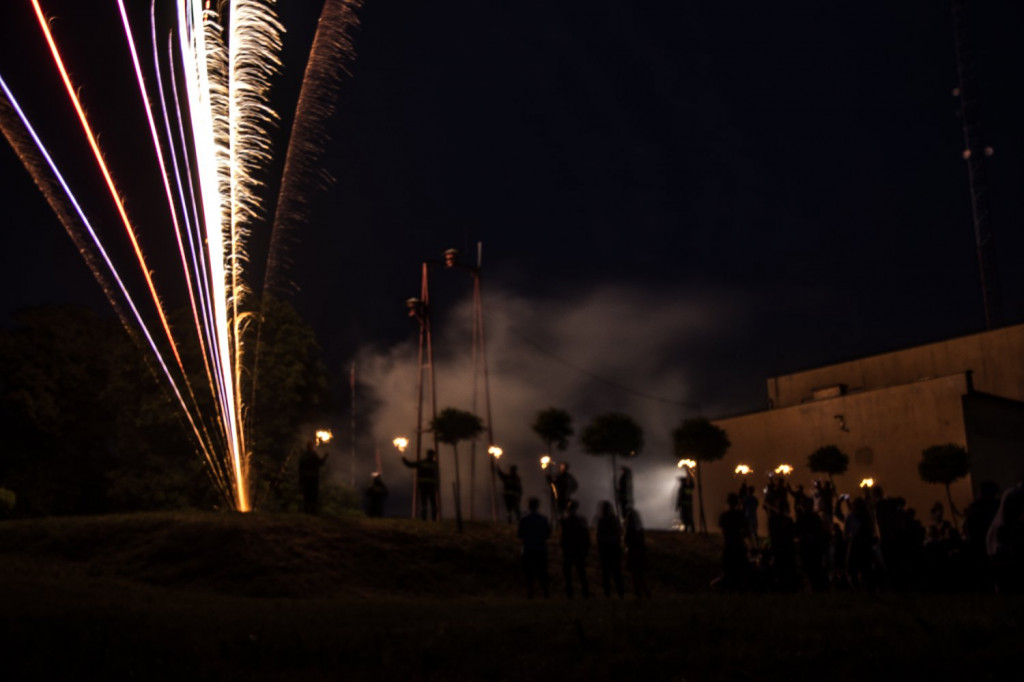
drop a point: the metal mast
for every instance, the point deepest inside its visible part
(975, 152)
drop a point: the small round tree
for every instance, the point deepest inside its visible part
(702, 441)
(452, 425)
(554, 426)
(944, 464)
(828, 459)
(614, 434)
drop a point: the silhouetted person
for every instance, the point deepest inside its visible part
(749, 504)
(564, 486)
(782, 535)
(375, 496)
(609, 549)
(1005, 539)
(624, 490)
(636, 553)
(310, 464)
(534, 531)
(859, 534)
(684, 503)
(812, 539)
(512, 491)
(575, 546)
(426, 484)
(735, 531)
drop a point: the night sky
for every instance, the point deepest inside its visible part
(726, 190)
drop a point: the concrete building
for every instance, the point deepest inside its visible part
(883, 411)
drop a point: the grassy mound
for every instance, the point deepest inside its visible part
(267, 555)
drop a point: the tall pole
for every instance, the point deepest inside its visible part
(975, 152)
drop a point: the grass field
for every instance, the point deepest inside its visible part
(264, 597)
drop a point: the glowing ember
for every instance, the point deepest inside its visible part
(401, 443)
(784, 470)
(686, 463)
(495, 451)
(545, 462)
(867, 483)
(324, 436)
(743, 470)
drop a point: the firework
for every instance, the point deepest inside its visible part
(211, 143)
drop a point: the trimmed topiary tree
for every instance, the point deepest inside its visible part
(944, 464)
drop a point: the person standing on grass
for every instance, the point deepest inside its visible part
(575, 545)
(534, 531)
(609, 549)
(375, 496)
(564, 486)
(512, 491)
(636, 554)
(426, 484)
(310, 464)
(624, 490)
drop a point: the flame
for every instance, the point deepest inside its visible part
(494, 451)
(784, 470)
(401, 443)
(324, 436)
(867, 483)
(687, 463)
(743, 469)
(545, 462)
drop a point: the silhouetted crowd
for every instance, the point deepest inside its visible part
(618, 544)
(823, 541)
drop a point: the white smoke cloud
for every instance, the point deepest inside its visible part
(616, 348)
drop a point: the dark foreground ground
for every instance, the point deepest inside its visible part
(266, 597)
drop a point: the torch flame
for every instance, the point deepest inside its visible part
(324, 436)
(687, 463)
(401, 443)
(743, 469)
(784, 470)
(545, 461)
(867, 483)
(495, 451)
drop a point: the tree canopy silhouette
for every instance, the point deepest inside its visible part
(451, 426)
(944, 464)
(614, 434)
(554, 426)
(828, 459)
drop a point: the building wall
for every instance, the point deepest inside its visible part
(996, 359)
(883, 431)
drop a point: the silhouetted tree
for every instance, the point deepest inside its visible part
(90, 427)
(554, 426)
(702, 441)
(451, 426)
(614, 434)
(944, 464)
(828, 459)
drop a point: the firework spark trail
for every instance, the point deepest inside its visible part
(190, 219)
(329, 56)
(192, 32)
(206, 291)
(164, 174)
(39, 175)
(109, 181)
(254, 46)
(331, 52)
